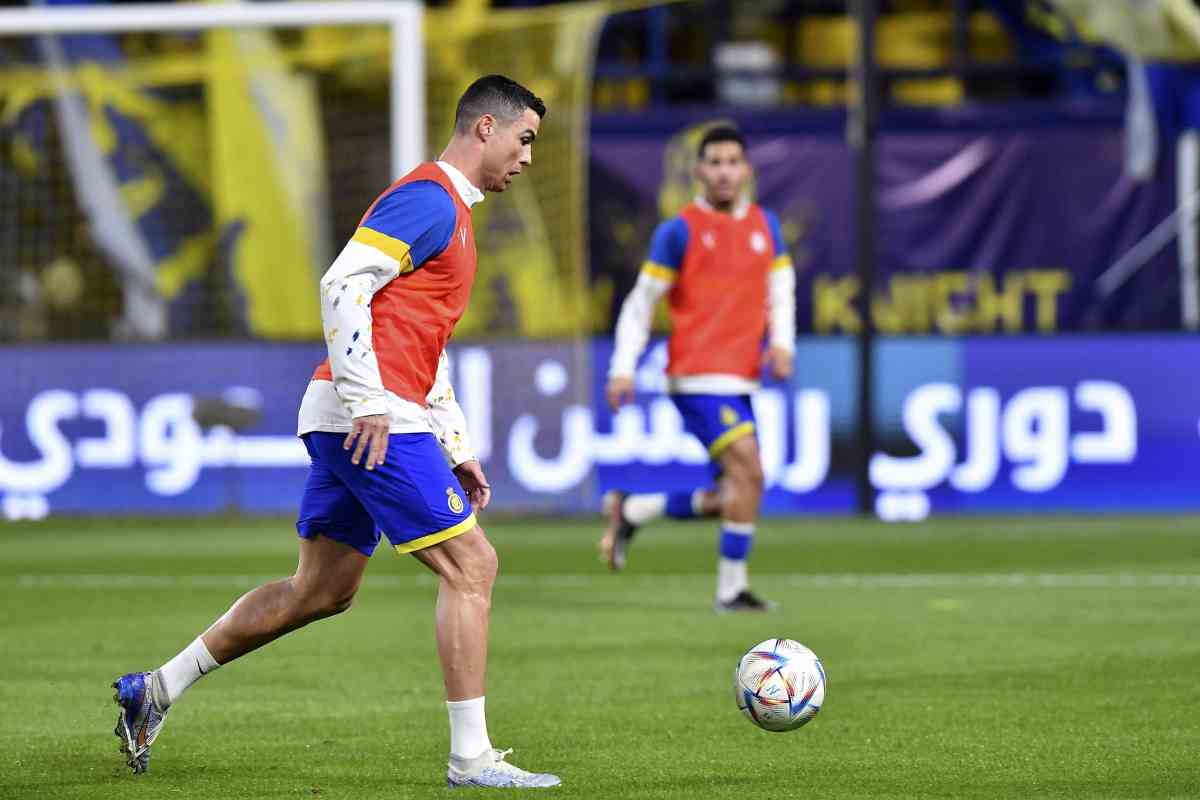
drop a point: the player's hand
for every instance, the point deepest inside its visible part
(619, 392)
(470, 475)
(370, 434)
(779, 363)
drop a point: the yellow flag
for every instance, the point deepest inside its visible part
(268, 192)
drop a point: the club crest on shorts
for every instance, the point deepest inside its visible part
(454, 501)
(729, 416)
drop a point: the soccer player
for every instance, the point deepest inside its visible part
(729, 284)
(389, 448)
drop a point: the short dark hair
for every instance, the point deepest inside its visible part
(497, 95)
(720, 133)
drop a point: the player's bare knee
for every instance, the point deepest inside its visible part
(754, 475)
(483, 566)
(473, 567)
(746, 474)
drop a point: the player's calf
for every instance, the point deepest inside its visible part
(323, 601)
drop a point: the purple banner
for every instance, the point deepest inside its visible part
(994, 225)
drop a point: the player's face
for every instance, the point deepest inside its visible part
(723, 171)
(509, 150)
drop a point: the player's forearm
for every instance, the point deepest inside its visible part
(633, 324)
(346, 292)
(446, 418)
(781, 316)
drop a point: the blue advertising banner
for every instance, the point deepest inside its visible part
(1083, 424)
(147, 429)
(113, 429)
(1018, 424)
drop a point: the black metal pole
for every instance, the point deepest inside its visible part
(862, 123)
(962, 36)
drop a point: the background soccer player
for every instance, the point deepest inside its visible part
(730, 282)
(387, 439)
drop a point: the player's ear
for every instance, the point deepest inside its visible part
(485, 126)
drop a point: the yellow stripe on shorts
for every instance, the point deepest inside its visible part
(439, 537)
(729, 437)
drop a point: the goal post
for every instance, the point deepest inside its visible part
(213, 154)
(115, 115)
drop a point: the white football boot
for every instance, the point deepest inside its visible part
(489, 769)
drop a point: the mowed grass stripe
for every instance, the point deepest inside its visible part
(1014, 580)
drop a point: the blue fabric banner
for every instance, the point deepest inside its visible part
(1029, 424)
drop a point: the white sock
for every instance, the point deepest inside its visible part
(641, 508)
(468, 728)
(192, 663)
(731, 578)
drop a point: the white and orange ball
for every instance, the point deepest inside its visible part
(779, 685)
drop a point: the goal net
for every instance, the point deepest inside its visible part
(186, 171)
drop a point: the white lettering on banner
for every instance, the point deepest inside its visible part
(1032, 430)
(1117, 441)
(551, 475)
(810, 426)
(658, 438)
(115, 448)
(45, 412)
(1035, 426)
(770, 415)
(983, 443)
(921, 410)
(475, 373)
(902, 506)
(169, 444)
(24, 506)
(812, 432)
(164, 437)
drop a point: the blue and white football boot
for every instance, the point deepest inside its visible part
(141, 716)
(489, 769)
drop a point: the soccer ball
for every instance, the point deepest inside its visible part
(779, 685)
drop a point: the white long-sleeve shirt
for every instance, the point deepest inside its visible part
(357, 388)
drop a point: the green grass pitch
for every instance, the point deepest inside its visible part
(967, 658)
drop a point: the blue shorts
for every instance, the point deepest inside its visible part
(716, 420)
(412, 497)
